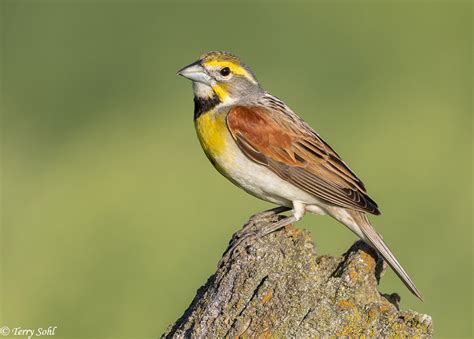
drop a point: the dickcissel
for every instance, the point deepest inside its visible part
(257, 142)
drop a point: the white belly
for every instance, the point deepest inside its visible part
(260, 181)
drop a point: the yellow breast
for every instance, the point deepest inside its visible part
(212, 132)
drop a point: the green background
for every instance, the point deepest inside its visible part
(112, 217)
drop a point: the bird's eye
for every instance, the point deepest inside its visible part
(225, 71)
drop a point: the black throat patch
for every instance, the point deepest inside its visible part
(202, 105)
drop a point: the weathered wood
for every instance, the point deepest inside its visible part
(276, 286)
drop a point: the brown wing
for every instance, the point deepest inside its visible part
(290, 148)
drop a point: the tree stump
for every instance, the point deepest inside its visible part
(277, 286)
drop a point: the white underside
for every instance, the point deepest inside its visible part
(264, 184)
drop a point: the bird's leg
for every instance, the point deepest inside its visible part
(252, 231)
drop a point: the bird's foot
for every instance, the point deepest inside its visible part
(268, 213)
(254, 230)
(256, 222)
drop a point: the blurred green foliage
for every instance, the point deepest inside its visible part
(111, 215)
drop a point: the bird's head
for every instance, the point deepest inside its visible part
(221, 75)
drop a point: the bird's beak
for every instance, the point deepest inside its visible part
(195, 72)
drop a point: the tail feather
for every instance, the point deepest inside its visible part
(364, 229)
(374, 239)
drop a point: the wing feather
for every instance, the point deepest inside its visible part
(276, 138)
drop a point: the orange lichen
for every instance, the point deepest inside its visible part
(385, 307)
(266, 296)
(353, 275)
(372, 313)
(370, 262)
(346, 331)
(345, 304)
(292, 231)
(265, 334)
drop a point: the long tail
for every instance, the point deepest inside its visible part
(364, 229)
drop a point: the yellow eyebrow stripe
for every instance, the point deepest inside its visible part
(236, 69)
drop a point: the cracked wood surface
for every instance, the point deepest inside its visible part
(277, 286)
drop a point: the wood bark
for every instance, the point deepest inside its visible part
(276, 286)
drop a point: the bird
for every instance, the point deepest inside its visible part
(262, 146)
